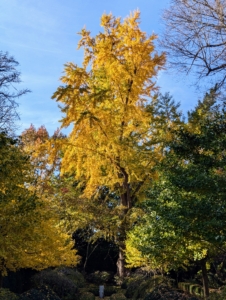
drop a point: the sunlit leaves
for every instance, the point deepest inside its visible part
(186, 213)
(106, 102)
(30, 235)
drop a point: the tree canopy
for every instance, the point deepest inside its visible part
(112, 142)
(186, 219)
(30, 233)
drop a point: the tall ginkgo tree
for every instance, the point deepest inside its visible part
(109, 101)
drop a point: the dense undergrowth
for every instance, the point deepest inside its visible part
(70, 284)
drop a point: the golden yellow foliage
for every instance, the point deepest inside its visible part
(30, 236)
(111, 140)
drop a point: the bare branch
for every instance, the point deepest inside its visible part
(195, 37)
(9, 76)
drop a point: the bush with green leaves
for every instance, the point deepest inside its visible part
(87, 296)
(164, 292)
(132, 285)
(93, 289)
(118, 296)
(109, 290)
(43, 293)
(120, 281)
(64, 287)
(139, 286)
(72, 274)
(100, 277)
(6, 294)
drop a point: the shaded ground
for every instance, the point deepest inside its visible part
(69, 284)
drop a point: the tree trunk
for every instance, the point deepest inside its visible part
(126, 203)
(121, 263)
(205, 279)
(122, 247)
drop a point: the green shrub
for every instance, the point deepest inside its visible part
(140, 286)
(118, 297)
(44, 293)
(64, 287)
(87, 296)
(122, 282)
(72, 274)
(100, 277)
(132, 286)
(109, 290)
(6, 294)
(164, 292)
(149, 285)
(93, 289)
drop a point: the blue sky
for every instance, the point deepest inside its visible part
(42, 37)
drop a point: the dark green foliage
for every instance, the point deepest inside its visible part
(163, 292)
(167, 109)
(43, 293)
(118, 297)
(185, 219)
(64, 287)
(139, 286)
(72, 274)
(87, 296)
(93, 289)
(100, 277)
(133, 286)
(195, 171)
(122, 282)
(109, 290)
(5, 294)
(147, 286)
(190, 197)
